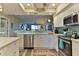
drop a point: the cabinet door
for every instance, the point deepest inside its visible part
(36, 41)
(3, 27)
(44, 43)
(68, 20)
(58, 21)
(21, 41)
(75, 18)
(55, 22)
(75, 48)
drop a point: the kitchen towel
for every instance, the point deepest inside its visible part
(61, 44)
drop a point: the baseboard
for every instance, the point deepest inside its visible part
(41, 48)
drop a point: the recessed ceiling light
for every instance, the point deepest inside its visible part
(28, 4)
(53, 4)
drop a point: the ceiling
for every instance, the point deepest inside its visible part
(26, 9)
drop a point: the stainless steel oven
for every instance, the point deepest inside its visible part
(65, 46)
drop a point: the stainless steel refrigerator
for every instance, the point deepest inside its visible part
(28, 41)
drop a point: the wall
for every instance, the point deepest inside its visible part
(58, 19)
(21, 19)
(11, 19)
(32, 19)
(74, 28)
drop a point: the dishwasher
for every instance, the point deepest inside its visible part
(28, 41)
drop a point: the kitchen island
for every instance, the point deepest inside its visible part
(9, 46)
(44, 39)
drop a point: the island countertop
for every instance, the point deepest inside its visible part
(7, 40)
(75, 40)
(32, 32)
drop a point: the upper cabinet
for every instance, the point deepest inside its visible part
(68, 20)
(58, 21)
(75, 18)
(71, 19)
(61, 18)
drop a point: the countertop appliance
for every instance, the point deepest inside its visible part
(56, 31)
(67, 32)
(65, 46)
(29, 41)
(75, 35)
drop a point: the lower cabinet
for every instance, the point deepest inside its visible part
(75, 48)
(10, 49)
(40, 41)
(43, 41)
(21, 41)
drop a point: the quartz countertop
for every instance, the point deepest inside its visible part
(76, 40)
(4, 41)
(59, 34)
(32, 32)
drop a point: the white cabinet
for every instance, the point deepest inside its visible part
(21, 41)
(58, 21)
(36, 41)
(75, 48)
(55, 22)
(43, 41)
(11, 49)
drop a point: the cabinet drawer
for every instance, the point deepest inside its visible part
(75, 48)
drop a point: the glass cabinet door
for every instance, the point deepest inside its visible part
(3, 27)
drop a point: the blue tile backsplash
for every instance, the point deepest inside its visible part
(71, 28)
(74, 28)
(60, 30)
